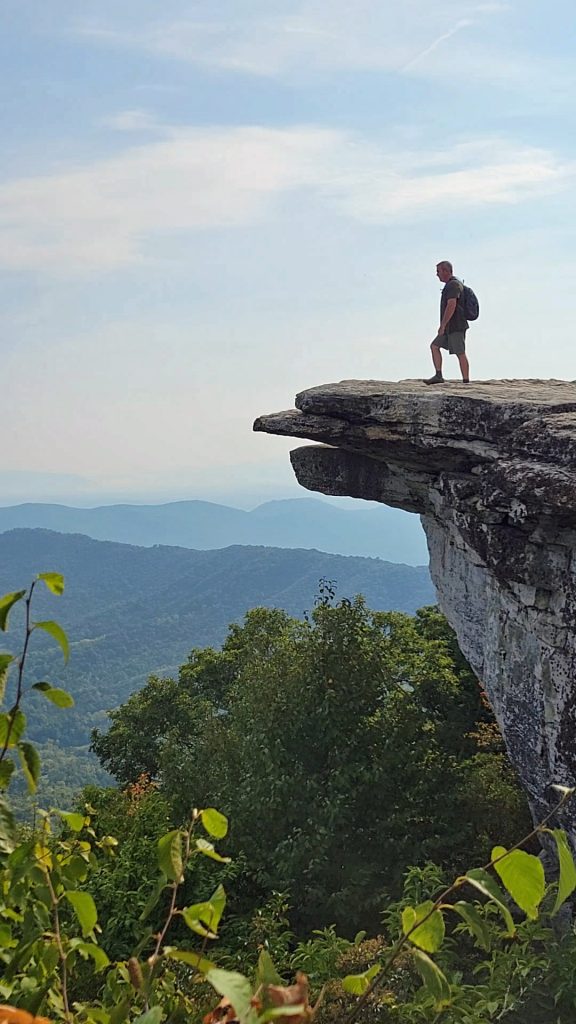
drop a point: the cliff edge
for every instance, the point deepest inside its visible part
(491, 469)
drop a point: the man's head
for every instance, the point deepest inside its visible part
(444, 271)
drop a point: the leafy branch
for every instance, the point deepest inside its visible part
(523, 877)
(13, 722)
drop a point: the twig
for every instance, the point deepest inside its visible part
(59, 943)
(172, 911)
(21, 663)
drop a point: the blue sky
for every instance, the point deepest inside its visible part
(205, 208)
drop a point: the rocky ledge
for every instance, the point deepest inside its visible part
(491, 469)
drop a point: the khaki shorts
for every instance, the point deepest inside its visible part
(455, 342)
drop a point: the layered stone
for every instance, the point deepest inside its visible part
(491, 469)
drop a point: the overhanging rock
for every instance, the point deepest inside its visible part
(491, 469)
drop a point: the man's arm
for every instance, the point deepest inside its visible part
(448, 314)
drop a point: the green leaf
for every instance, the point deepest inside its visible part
(434, 981)
(216, 824)
(21, 862)
(60, 698)
(6, 771)
(95, 1014)
(237, 989)
(12, 725)
(170, 855)
(217, 902)
(195, 925)
(152, 1016)
(85, 910)
(6, 939)
(154, 897)
(356, 984)
(266, 973)
(207, 849)
(475, 923)
(567, 880)
(76, 870)
(208, 913)
(90, 949)
(54, 581)
(281, 1011)
(430, 935)
(186, 956)
(30, 761)
(74, 821)
(58, 634)
(7, 827)
(50, 957)
(522, 874)
(36, 993)
(6, 603)
(5, 662)
(12, 915)
(107, 843)
(485, 884)
(145, 937)
(119, 1012)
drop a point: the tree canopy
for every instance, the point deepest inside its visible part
(343, 749)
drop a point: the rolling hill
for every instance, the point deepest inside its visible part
(379, 532)
(132, 611)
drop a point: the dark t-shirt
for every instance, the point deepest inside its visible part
(453, 290)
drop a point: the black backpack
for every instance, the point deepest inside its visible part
(470, 304)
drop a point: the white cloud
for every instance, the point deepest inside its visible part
(474, 175)
(277, 37)
(301, 39)
(107, 214)
(132, 121)
(98, 215)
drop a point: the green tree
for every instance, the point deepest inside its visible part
(54, 935)
(121, 885)
(340, 747)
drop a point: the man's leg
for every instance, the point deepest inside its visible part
(437, 360)
(464, 366)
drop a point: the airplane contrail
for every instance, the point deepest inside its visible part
(441, 39)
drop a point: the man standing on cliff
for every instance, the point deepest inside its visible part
(453, 325)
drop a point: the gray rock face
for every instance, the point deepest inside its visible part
(491, 469)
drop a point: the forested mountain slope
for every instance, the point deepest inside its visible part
(132, 611)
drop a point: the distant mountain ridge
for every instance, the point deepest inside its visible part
(132, 611)
(293, 523)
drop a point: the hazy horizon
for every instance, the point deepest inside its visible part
(83, 493)
(228, 499)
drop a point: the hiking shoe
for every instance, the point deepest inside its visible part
(436, 379)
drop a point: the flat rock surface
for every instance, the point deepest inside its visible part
(492, 407)
(548, 392)
(447, 427)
